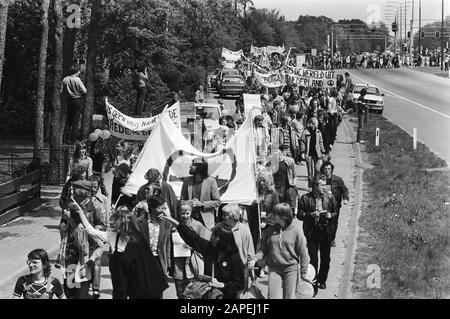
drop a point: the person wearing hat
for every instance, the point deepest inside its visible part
(202, 192)
(153, 177)
(82, 253)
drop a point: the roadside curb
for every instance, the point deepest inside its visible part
(345, 289)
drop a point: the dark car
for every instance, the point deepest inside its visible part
(232, 85)
(225, 72)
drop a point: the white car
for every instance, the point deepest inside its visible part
(373, 99)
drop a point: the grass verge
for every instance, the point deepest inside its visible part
(405, 218)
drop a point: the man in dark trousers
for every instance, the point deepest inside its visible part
(337, 187)
(361, 108)
(318, 211)
(73, 91)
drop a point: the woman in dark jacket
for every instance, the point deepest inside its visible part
(221, 254)
(135, 272)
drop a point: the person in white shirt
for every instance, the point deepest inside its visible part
(73, 91)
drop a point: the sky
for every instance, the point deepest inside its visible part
(365, 10)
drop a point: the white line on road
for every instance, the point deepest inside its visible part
(394, 94)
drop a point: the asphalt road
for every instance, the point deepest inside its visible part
(414, 99)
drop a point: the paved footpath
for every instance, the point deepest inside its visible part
(39, 230)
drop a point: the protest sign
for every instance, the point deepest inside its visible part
(311, 78)
(231, 56)
(252, 104)
(271, 80)
(126, 127)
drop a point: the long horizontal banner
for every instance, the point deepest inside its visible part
(231, 56)
(271, 80)
(126, 127)
(268, 50)
(311, 78)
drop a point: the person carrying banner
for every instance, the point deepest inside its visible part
(202, 192)
(135, 271)
(154, 176)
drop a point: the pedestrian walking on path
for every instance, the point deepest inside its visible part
(283, 247)
(318, 211)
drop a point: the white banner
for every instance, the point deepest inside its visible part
(271, 80)
(269, 50)
(168, 151)
(126, 127)
(252, 104)
(311, 78)
(231, 56)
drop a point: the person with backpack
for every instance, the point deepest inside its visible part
(139, 78)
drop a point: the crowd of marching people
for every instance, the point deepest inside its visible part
(208, 248)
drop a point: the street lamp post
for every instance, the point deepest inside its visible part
(411, 38)
(442, 37)
(420, 25)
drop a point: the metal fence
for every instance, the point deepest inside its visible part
(16, 162)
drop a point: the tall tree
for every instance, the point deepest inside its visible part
(56, 125)
(70, 37)
(40, 92)
(4, 5)
(93, 36)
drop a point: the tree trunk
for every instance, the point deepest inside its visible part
(40, 92)
(93, 35)
(3, 22)
(56, 132)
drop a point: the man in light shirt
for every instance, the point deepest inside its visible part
(73, 89)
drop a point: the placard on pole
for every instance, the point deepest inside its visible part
(415, 138)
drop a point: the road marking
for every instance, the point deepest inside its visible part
(397, 95)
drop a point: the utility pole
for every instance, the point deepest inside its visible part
(442, 37)
(420, 25)
(406, 37)
(332, 45)
(411, 38)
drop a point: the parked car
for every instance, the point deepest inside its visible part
(232, 85)
(214, 77)
(373, 99)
